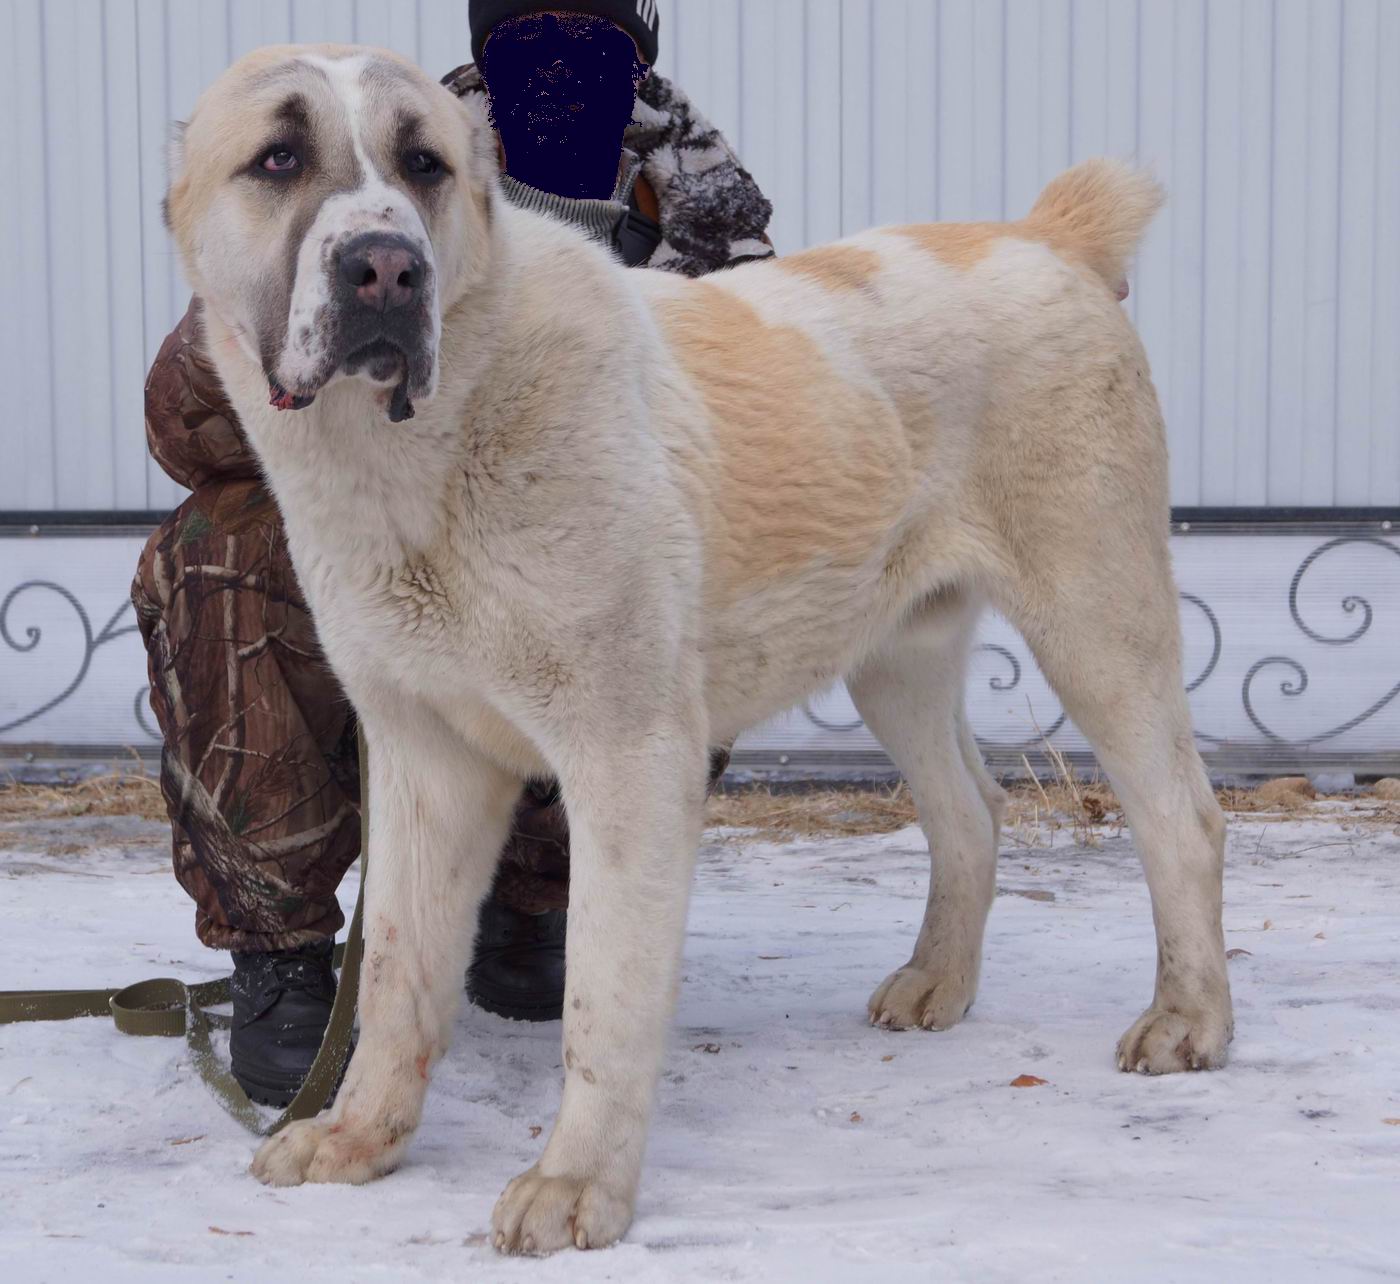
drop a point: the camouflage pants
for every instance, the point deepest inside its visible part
(259, 768)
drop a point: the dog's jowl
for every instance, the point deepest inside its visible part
(556, 515)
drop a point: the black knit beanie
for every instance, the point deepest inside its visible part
(638, 18)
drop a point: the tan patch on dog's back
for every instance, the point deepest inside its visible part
(959, 245)
(837, 267)
(808, 471)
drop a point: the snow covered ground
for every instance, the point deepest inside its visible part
(792, 1142)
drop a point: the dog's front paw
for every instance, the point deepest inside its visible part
(539, 1214)
(1163, 1041)
(913, 997)
(322, 1149)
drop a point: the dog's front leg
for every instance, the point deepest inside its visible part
(635, 820)
(439, 813)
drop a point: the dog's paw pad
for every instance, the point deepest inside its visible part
(538, 1214)
(1162, 1041)
(320, 1150)
(913, 998)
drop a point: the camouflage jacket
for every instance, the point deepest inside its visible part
(711, 212)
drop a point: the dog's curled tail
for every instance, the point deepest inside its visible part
(1096, 213)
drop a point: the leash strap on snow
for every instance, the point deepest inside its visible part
(167, 1007)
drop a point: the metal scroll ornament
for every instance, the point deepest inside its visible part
(1293, 680)
(34, 636)
(1296, 683)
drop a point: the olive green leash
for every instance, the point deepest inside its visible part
(165, 1006)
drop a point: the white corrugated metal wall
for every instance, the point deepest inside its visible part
(1268, 292)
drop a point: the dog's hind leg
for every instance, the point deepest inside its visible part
(1096, 601)
(439, 814)
(911, 696)
(992, 792)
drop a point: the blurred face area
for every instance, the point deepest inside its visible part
(562, 88)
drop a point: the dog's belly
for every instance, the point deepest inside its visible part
(751, 678)
(793, 638)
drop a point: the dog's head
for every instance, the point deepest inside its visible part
(330, 203)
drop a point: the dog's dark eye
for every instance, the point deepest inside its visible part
(423, 165)
(280, 160)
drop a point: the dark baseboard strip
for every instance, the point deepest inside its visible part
(38, 521)
(1224, 521)
(54, 763)
(84, 517)
(1224, 763)
(87, 521)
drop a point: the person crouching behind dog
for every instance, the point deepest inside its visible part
(259, 766)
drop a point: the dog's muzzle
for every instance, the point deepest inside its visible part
(378, 322)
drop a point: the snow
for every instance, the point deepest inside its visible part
(808, 1146)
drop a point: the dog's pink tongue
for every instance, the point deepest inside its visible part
(279, 398)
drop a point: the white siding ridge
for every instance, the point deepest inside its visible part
(1267, 291)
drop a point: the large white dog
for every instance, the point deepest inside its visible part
(635, 514)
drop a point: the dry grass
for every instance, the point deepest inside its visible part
(813, 813)
(125, 794)
(1036, 810)
(1086, 810)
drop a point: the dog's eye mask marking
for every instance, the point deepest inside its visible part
(326, 167)
(315, 332)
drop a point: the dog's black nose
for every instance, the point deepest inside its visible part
(385, 272)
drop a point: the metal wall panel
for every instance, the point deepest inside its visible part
(1268, 292)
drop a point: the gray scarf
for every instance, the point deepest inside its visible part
(597, 218)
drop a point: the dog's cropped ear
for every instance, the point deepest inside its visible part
(174, 166)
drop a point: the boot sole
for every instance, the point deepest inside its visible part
(279, 1090)
(514, 1009)
(278, 1093)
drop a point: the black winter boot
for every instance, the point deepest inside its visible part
(281, 1007)
(518, 971)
